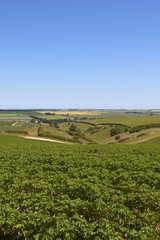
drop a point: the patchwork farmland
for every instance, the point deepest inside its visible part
(100, 182)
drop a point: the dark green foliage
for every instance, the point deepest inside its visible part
(51, 114)
(73, 192)
(74, 128)
(33, 120)
(118, 130)
(52, 123)
(83, 118)
(56, 125)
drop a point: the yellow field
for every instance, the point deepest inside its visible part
(156, 110)
(72, 112)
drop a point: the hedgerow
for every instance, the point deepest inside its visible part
(142, 127)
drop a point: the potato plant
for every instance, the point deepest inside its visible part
(53, 191)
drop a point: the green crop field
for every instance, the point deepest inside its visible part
(15, 118)
(6, 123)
(19, 115)
(12, 115)
(52, 191)
(50, 117)
(132, 122)
(15, 125)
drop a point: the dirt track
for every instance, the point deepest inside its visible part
(14, 124)
(46, 139)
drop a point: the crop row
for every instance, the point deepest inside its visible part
(53, 191)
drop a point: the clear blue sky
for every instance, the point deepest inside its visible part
(79, 54)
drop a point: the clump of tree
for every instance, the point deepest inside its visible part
(33, 120)
(74, 128)
(52, 123)
(118, 130)
(83, 118)
(52, 114)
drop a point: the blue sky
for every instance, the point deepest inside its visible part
(79, 54)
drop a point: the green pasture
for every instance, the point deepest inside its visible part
(19, 115)
(120, 114)
(132, 122)
(14, 118)
(50, 117)
(12, 114)
(55, 131)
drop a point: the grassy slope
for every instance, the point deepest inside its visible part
(142, 136)
(55, 131)
(153, 141)
(99, 136)
(82, 126)
(102, 135)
